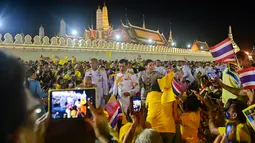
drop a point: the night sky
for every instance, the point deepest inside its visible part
(191, 20)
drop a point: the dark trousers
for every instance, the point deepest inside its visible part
(168, 137)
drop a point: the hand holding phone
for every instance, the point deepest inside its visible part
(230, 132)
(71, 104)
(136, 104)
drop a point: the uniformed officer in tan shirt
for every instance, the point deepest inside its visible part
(147, 78)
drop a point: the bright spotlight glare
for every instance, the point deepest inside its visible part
(74, 32)
(150, 40)
(188, 46)
(201, 47)
(117, 37)
(173, 44)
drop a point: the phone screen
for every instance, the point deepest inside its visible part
(71, 104)
(212, 76)
(250, 115)
(228, 129)
(137, 104)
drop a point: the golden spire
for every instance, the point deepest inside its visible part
(105, 17)
(230, 35)
(144, 22)
(230, 32)
(170, 40)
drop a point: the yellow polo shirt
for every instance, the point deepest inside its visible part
(160, 116)
(228, 80)
(242, 132)
(189, 127)
(124, 129)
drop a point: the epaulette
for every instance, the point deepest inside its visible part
(131, 72)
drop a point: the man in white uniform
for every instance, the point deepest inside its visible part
(159, 68)
(99, 78)
(125, 85)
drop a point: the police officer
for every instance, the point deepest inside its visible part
(99, 78)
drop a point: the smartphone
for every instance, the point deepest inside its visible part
(229, 128)
(250, 115)
(136, 104)
(71, 104)
(212, 76)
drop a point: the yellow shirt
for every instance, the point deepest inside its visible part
(124, 129)
(160, 116)
(78, 75)
(190, 125)
(242, 132)
(228, 80)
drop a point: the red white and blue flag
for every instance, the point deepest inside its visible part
(247, 77)
(203, 91)
(232, 59)
(222, 51)
(115, 113)
(177, 87)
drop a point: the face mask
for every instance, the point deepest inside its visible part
(227, 115)
(69, 72)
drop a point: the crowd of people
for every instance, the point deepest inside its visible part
(182, 101)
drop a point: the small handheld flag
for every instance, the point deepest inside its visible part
(247, 77)
(114, 111)
(223, 51)
(177, 87)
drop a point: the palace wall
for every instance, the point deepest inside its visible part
(28, 49)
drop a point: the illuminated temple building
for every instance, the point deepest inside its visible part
(128, 33)
(125, 33)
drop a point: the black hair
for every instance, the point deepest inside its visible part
(239, 106)
(148, 61)
(13, 91)
(191, 104)
(29, 73)
(241, 55)
(123, 61)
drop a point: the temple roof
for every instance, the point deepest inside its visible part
(198, 45)
(142, 35)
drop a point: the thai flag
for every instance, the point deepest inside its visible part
(114, 112)
(203, 91)
(247, 77)
(232, 59)
(223, 51)
(177, 87)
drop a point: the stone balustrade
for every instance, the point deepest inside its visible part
(28, 48)
(88, 45)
